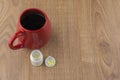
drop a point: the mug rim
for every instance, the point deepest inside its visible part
(36, 9)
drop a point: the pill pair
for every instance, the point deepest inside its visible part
(36, 58)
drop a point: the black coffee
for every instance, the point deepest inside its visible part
(33, 21)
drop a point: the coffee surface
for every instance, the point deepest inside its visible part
(33, 21)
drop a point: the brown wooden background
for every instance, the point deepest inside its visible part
(85, 40)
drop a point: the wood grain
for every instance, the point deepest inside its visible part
(85, 40)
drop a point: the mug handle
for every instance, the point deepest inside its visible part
(13, 38)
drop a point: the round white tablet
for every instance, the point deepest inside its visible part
(50, 61)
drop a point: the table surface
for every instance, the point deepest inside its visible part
(85, 40)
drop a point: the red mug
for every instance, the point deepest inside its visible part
(33, 30)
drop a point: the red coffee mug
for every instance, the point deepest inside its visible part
(31, 38)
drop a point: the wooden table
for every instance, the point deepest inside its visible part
(85, 40)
